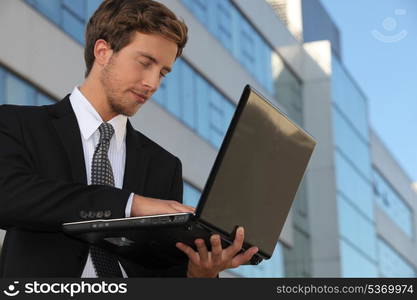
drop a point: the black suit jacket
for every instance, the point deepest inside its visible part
(43, 184)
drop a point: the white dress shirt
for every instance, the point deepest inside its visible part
(89, 120)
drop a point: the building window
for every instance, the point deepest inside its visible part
(387, 198)
(69, 15)
(349, 100)
(353, 186)
(356, 228)
(354, 263)
(191, 195)
(223, 20)
(191, 99)
(14, 90)
(391, 264)
(351, 144)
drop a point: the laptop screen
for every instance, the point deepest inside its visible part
(260, 171)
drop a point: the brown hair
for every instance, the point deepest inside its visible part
(116, 21)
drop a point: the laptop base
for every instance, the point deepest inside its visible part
(143, 244)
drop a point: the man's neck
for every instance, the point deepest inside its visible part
(94, 93)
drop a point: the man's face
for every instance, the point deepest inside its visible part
(133, 74)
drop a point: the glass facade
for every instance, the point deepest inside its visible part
(354, 264)
(392, 204)
(298, 260)
(352, 186)
(194, 101)
(357, 242)
(191, 195)
(349, 99)
(288, 90)
(351, 144)
(14, 90)
(237, 35)
(69, 15)
(353, 176)
(391, 264)
(227, 24)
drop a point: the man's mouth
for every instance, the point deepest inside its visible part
(141, 98)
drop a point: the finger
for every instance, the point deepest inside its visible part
(183, 208)
(192, 209)
(202, 251)
(216, 249)
(192, 255)
(244, 257)
(233, 249)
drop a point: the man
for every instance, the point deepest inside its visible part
(81, 159)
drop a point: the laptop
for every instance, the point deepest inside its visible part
(252, 183)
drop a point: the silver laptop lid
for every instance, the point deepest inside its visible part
(257, 173)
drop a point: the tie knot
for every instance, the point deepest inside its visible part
(106, 131)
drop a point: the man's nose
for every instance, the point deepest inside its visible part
(151, 81)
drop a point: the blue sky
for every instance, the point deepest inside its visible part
(379, 48)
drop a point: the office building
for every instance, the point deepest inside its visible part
(354, 214)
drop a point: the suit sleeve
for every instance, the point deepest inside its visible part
(176, 192)
(31, 202)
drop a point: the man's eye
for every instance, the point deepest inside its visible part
(145, 64)
(162, 75)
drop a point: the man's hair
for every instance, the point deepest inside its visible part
(116, 22)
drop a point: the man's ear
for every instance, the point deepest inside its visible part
(102, 52)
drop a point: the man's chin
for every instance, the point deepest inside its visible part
(132, 112)
(128, 112)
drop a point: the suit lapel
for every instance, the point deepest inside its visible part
(68, 131)
(137, 160)
(137, 155)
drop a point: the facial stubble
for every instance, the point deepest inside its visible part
(114, 93)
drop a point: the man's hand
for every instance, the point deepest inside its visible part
(209, 264)
(144, 206)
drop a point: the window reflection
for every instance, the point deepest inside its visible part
(76, 7)
(70, 15)
(351, 144)
(355, 227)
(16, 91)
(391, 264)
(288, 89)
(349, 99)
(353, 186)
(354, 264)
(237, 35)
(191, 99)
(191, 195)
(392, 204)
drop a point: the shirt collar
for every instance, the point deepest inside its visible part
(89, 120)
